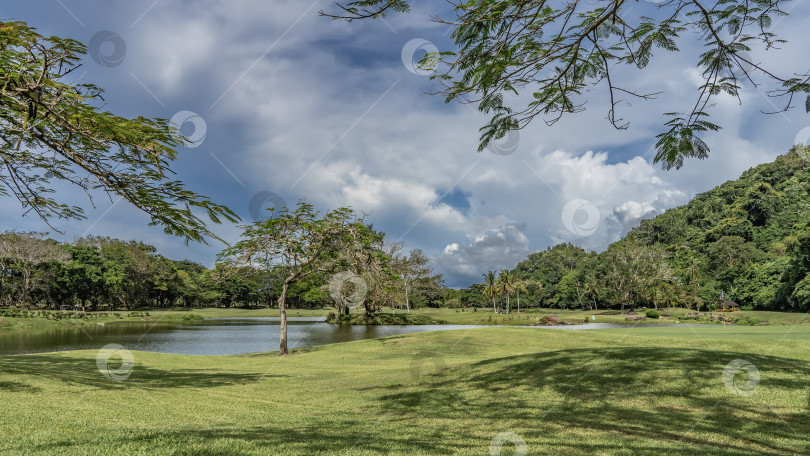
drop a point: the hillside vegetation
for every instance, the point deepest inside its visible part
(746, 240)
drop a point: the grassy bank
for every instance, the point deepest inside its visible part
(47, 318)
(633, 391)
(532, 316)
(397, 316)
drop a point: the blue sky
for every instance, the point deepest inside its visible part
(290, 105)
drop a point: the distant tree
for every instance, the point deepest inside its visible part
(491, 288)
(520, 285)
(24, 251)
(410, 268)
(506, 285)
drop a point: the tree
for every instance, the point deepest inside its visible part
(506, 286)
(410, 268)
(26, 250)
(561, 51)
(302, 243)
(520, 285)
(54, 130)
(490, 288)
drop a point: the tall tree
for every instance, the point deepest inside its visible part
(26, 250)
(302, 243)
(506, 285)
(491, 288)
(55, 130)
(562, 53)
(410, 268)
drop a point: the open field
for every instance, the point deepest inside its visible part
(625, 391)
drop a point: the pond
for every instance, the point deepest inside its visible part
(214, 336)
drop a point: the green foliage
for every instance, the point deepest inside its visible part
(650, 313)
(561, 53)
(53, 131)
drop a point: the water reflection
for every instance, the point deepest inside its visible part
(217, 336)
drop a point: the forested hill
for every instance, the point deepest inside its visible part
(748, 239)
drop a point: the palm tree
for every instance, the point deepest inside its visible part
(520, 285)
(506, 285)
(490, 288)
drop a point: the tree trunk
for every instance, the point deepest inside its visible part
(282, 311)
(407, 304)
(507, 304)
(518, 296)
(493, 306)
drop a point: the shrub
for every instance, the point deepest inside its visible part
(634, 318)
(549, 320)
(652, 314)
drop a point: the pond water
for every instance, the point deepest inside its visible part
(215, 336)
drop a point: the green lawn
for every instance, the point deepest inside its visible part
(628, 391)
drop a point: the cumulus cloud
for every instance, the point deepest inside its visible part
(494, 250)
(326, 111)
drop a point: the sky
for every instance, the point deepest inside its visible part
(283, 105)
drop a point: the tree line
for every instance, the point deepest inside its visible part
(102, 273)
(747, 240)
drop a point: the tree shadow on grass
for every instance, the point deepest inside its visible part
(672, 398)
(85, 372)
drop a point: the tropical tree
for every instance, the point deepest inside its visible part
(410, 268)
(520, 285)
(24, 251)
(54, 130)
(563, 53)
(506, 286)
(491, 288)
(302, 243)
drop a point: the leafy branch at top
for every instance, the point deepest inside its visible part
(560, 51)
(52, 130)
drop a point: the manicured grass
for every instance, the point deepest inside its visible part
(627, 391)
(532, 315)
